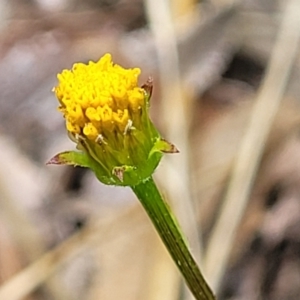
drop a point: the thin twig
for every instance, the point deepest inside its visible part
(253, 143)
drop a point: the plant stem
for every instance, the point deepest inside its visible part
(170, 233)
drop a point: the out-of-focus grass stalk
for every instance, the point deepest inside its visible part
(252, 146)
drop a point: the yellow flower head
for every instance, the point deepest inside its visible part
(99, 98)
(106, 114)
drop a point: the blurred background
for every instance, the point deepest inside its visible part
(226, 93)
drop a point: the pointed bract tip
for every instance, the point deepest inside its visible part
(56, 160)
(119, 173)
(148, 86)
(167, 147)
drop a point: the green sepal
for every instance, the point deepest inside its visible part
(80, 159)
(72, 158)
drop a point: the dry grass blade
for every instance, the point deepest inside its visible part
(175, 174)
(252, 146)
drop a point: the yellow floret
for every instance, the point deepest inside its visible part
(121, 118)
(90, 131)
(92, 114)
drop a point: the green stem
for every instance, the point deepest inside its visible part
(170, 233)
